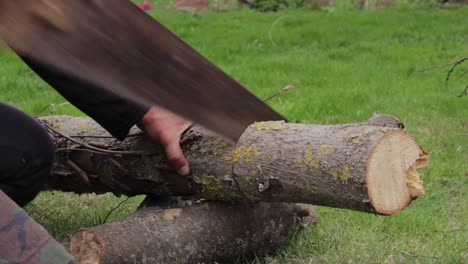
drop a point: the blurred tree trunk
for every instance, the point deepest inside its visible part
(192, 5)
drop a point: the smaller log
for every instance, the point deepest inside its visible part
(202, 233)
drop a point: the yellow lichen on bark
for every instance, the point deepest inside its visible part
(325, 149)
(269, 125)
(311, 160)
(298, 160)
(307, 156)
(247, 153)
(203, 150)
(334, 174)
(345, 174)
(211, 183)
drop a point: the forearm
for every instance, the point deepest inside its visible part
(116, 114)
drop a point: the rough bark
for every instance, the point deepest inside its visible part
(203, 233)
(369, 166)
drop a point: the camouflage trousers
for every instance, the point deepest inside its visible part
(22, 240)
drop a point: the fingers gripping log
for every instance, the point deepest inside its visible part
(203, 233)
(369, 166)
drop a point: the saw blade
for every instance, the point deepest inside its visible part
(116, 46)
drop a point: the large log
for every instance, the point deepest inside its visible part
(369, 166)
(211, 232)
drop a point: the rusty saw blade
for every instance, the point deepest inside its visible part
(118, 47)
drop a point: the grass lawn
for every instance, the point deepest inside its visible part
(344, 65)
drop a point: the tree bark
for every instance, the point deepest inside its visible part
(203, 233)
(369, 166)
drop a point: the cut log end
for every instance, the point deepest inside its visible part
(85, 246)
(391, 176)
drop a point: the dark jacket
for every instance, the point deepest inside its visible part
(116, 114)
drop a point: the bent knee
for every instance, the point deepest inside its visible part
(25, 169)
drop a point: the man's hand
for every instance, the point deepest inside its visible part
(165, 128)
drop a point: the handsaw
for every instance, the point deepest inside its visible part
(116, 46)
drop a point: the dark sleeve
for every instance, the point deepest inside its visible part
(116, 114)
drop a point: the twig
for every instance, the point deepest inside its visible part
(443, 65)
(453, 68)
(270, 32)
(330, 212)
(454, 64)
(120, 166)
(81, 149)
(464, 92)
(51, 105)
(92, 136)
(42, 109)
(418, 256)
(82, 173)
(100, 150)
(98, 144)
(285, 89)
(452, 230)
(461, 75)
(113, 209)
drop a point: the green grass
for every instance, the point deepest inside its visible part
(344, 65)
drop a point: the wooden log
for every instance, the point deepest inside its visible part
(369, 166)
(203, 233)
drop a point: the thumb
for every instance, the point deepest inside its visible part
(176, 157)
